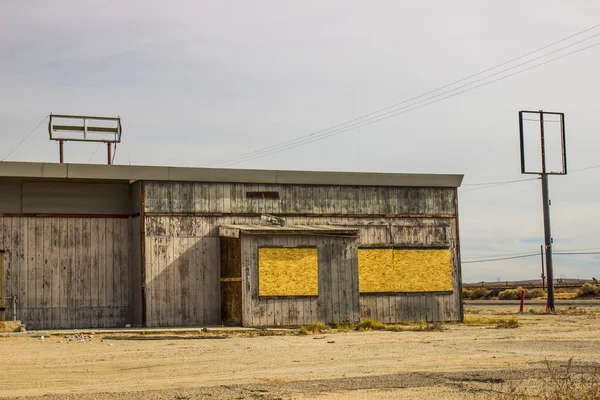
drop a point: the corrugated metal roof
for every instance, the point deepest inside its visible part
(323, 229)
(184, 174)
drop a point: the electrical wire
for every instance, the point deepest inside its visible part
(500, 259)
(25, 138)
(388, 115)
(529, 255)
(343, 128)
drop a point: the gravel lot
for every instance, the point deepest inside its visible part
(460, 362)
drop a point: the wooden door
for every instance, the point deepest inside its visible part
(231, 281)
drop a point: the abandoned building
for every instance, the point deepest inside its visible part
(87, 246)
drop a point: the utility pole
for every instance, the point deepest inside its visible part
(543, 173)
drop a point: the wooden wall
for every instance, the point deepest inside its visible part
(198, 271)
(68, 272)
(338, 283)
(182, 272)
(190, 197)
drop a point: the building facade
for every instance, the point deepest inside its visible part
(106, 246)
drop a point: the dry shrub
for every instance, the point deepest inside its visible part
(481, 293)
(370, 325)
(510, 294)
(500, 322)
(563, 382)
(421, 326)
(315, 327)
(588, 290)
(467, 293)
(534, 293)
(344, 327)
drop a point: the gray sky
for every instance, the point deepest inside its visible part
(197, 82)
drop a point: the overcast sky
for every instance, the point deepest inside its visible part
(198, 82)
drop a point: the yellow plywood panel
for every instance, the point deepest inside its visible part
(288, 272)
(389, 271)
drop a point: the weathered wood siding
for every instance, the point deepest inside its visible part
(182, 218)
(338, 283)
(68, 272)
(182, 272)
(197, 239)
(190, 197)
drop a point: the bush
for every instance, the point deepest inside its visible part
(481, 293)
(315, 327)
(510, 294)
(467, 293)
(562, 382)
(588, 290)
(370, 325)
(534, 293)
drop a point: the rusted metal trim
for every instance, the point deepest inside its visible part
(288, 297)
(396, 246)
(143, 248)
(443, 292)
(45, 215)
(308, 215)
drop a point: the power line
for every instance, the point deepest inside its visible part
(529, 255)
(578, 253)
(500, 259)
(25, 138)
(356, 123)
(307, 140)
(489, 185)
(497, 182)
(499, 255)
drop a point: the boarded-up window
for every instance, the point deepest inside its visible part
(288, 272)
(407, 270)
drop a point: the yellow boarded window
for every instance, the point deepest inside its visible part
(390, 271)
(288, 272)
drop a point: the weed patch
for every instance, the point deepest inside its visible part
(314, 328)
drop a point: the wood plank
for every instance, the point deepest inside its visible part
(84, 275)
(335, 283)
(23, 246)
(54, 268)
(248, 252)
(126, 281)
(324, 298)
(173, 286)
(200, 204)
(150, 260)
(36, 319)
(117, 278)
(101, 256)
(340, 263)
(109, 293)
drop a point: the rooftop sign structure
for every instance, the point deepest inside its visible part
(82, 128)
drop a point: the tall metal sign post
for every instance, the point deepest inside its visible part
(543, 170)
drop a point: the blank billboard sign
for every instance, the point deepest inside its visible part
(543, 147)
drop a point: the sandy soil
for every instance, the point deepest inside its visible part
(355, 365)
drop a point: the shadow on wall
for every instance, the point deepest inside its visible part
(182, 281)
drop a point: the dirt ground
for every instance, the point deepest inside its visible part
(459, 362)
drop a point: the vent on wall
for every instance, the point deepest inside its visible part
(262, 195)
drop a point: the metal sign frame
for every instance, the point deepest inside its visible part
(89, 132)
(545, 192)
(540, 114)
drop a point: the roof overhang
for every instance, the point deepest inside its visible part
(182, 174)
